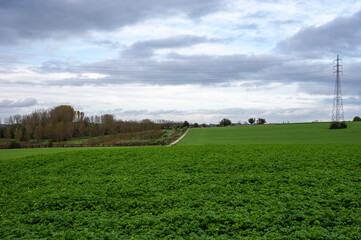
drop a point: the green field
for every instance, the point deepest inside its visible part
(314, 133)
(184, 192)
(6, 154)
(243, 186)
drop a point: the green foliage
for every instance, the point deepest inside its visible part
(338, 125)
(20, 153)
(274, 134)
(251, 120)
(225, 122)
(357, 119)
(261, 121)
(190, 192)
(14, 144)
(184, 129)
(185, 124)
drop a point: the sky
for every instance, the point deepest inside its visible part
(193, 60)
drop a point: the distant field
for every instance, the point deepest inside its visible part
(314, 133)
(289, 191)
(6, 154)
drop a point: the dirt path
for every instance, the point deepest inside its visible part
(176, 141)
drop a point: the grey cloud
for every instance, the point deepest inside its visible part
(250, 26)
(27, 102)
(134, 112)
(342, 35)
(109, 44)
(147, 48)
(352, 101)
(285, 22)
(203, 70)
(166, 112)
(249, 72)
(258, 15)
(321, 80)
(347, 101)
(41, 19)
(54, 66)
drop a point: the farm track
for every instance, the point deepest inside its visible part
(180, 138)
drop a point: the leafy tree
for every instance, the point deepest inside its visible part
(63, 113)
(225, 122)
(261, 121)
(356, 119)
(251, 120)
(195, 125)
(185, 124)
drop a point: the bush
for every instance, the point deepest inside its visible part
(357, 119)
(185, 124)
(338, 125)
(184, 129)
(225, 122)
(14, 144)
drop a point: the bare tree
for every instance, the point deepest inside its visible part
(18, 134)
(38, 133)
(7, 133)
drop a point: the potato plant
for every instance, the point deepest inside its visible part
(184, 192)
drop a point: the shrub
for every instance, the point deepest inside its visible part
(184, 129)
(338, 125)
(14, 144)
(357, 119)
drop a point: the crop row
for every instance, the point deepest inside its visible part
(190, 192)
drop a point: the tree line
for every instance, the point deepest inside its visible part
(64, 123)
(226, 122)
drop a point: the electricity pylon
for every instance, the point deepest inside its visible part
(337, 111)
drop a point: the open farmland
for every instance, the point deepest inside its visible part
(185, 192)
(301, 133)
(6, 154)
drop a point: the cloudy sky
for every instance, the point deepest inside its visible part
(180, 60)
